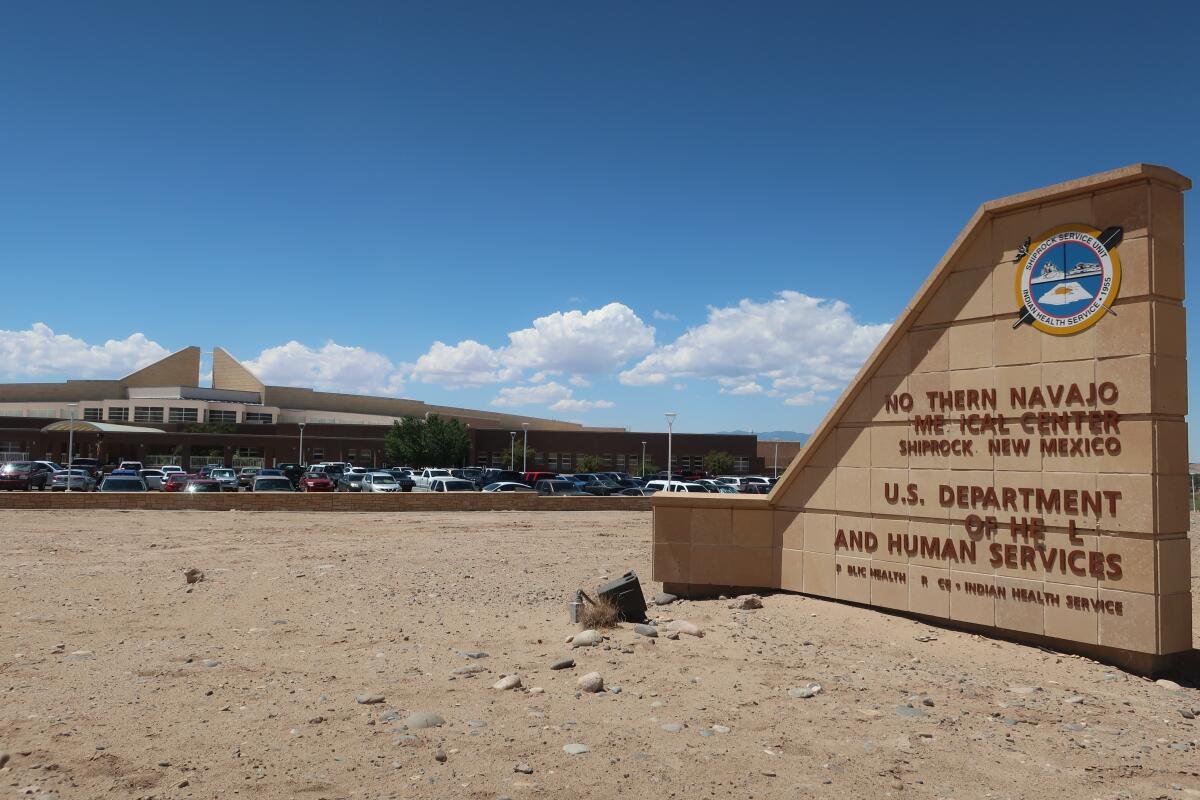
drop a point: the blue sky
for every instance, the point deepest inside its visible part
(329, 190)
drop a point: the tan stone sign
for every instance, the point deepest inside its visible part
(1013, 455)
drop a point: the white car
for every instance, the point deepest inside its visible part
(677, 486)
(171, 468)
(450, 484)
(425, 479)
(379, 482)
(153, 478)
(507, 486)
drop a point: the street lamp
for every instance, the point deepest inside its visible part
(525, 453)
(776, 458)
(70, 442)
(643, 459)
(300, 459)
(512, 451)
(671, 415)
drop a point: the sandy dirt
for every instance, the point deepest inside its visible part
(116, 681)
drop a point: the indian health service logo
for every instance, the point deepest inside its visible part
(1069, 279)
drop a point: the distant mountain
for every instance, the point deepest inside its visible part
(787, 436)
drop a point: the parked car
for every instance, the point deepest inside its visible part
(226, 477)
(491, 475)
(725, 488)
(172, 468)
(427, 475)
(351, 480)
(123, 483)
(202, 485)
(246, 476)
(468, 473)
(272, 483)
(559, 488)
(176, 481)
(92, 465)
(591, 483)
(153, 479)
(133, 465)
(677, 486)
(636, 492)
(404, 478)
(24, 476)
(77, 480)
(379, 482)
(754, 487)
(293, 472)
(450, 484)
(531, 478)
(507, 486)
(315, 482)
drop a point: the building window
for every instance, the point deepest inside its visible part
(247, 452)
(552, 461)
(318, 454)
(118, 415)
(350, 454)
(259, 417)
(620, 465)
(564, 461)
(48, 413)
(147, 414)
(93, 414)
(741, 464)
(220, 417)
(183, 415)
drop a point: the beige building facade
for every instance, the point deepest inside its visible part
(1013, 455)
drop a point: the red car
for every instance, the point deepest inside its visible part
(176, 481)
(531, 478)
(315, 482)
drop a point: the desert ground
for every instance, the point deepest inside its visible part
(302, 664)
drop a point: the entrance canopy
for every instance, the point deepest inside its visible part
(82, 426)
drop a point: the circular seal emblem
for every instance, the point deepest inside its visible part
(1068, 280)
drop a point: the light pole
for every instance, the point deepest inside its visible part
(643, 459)
(525, 452)
(776, 458)
(70, 441)
(670, 424)
(512, 451)
(300, 458)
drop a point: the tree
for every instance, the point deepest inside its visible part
(429, 442)
(589, 463)
(718, 463)
(649, 468)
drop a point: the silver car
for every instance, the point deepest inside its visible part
(226, 477)
(379, 482)
(77, 480)
(153, 478)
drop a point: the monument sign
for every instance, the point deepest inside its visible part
(1012, 456)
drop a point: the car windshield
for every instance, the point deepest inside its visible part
(384, 479)
(272, 483)
(458, 486)
(10, 468)
(315, 475)
(197, 486)
(222, 473)
(560, 486)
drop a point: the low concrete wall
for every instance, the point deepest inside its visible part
(332, 501)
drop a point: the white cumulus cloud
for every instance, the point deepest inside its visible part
(329, 368)
(552, 394)
(802, 346)
(579, 342)
(664, 316)
(39, 352)
(467, 363)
